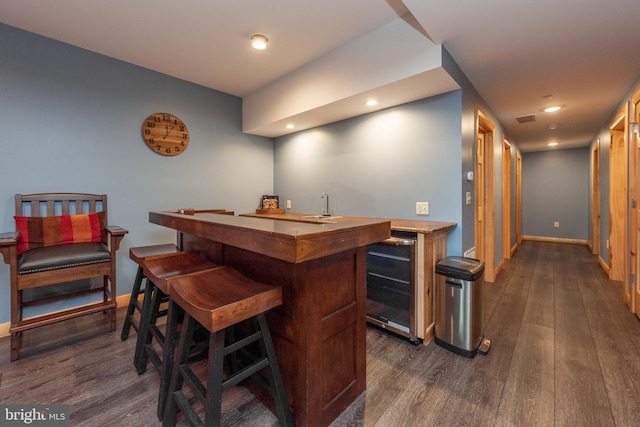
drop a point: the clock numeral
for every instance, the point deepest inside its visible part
(166, 117)
(147, 132)
(185, 136)
(156, 119)
(151, 141)
(181, 128)
(151, 124)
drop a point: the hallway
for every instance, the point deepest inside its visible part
(565, 351)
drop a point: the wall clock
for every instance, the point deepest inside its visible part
(165, 134)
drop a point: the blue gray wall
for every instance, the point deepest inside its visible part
(71, 122)
(379, 164)
(471, 101)
(556, 189)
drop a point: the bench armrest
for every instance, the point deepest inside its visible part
(116, 230)
(8, 242)
(115, 234)
(7, 239)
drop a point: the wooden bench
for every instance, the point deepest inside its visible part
(59, 238)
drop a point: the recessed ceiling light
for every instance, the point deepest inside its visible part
(371, 102)
(553, 126)
(259, 42)
(552, 109)
(290, 126)
(547, 96)
(552, 144)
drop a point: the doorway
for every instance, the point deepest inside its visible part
(506, 199)
(634, 138)
(618, 203)
(485, 194)
(518, 198)
(595, 198)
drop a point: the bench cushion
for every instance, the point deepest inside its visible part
(62, 256)
(36, 232)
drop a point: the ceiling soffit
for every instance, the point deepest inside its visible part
(395, 64)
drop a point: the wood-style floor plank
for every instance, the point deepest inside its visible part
(621, 374)
(564, 353)
(528, 397)
(579, 386)
(540, 300)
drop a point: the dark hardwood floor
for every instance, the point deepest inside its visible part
(565, 351)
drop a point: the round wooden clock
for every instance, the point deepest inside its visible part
(165, 134)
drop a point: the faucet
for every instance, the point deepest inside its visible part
(326, 212)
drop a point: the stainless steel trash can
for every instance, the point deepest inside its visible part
(458, 307)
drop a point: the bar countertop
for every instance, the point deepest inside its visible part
(291, 241)
(416, 226)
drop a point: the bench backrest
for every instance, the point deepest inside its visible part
(55, 204)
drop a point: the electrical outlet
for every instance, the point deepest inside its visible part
(288, 204)
(422, 208)
(556, 224)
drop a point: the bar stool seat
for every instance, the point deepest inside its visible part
(158, 270)
(216, 300)
(138, 255)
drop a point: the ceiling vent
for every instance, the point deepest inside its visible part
(526, 119)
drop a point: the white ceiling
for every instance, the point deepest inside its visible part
(584, 53)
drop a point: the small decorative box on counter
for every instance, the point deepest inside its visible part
(269, 205)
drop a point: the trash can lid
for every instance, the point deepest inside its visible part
(460, 267)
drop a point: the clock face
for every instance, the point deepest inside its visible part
(165, 134)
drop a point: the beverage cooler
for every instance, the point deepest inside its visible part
(391, 284)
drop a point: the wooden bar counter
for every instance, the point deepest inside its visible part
(431, 247)
(320, 330)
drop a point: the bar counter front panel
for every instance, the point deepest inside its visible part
(320, 329)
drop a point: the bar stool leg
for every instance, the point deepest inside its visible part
(150, 307)
(171, 343)
(184, 344)
(215, 367)
(275, 377)
(135, 292)
(215, 382)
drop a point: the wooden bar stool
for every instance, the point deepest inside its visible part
(138, 254)
(159, 270)
(219, 299)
